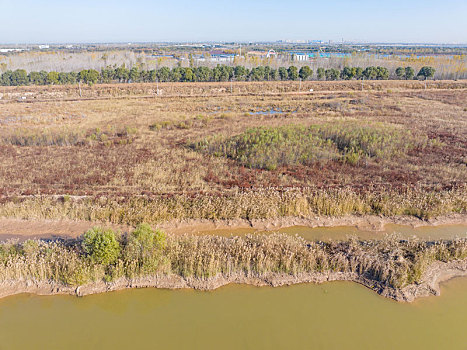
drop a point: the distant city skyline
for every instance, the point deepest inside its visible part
(105, 21)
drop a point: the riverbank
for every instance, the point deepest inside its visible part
(430, 285)
(104, 260)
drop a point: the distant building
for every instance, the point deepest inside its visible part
(300, 56)
(11, 50)
(43, 47)
(222, 58)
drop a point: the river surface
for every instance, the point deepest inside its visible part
(335, 315)
(343, 232)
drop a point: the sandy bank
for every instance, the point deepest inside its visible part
(437, 273)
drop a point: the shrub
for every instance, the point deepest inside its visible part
(101, 246)
(143, 251)
(268, 148)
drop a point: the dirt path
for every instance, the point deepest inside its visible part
(188, 96)
(26, 229)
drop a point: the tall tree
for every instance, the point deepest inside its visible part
(321, 73)
(426, 72)
(400, 72)
(409, 73)
(293, 73)
(283, 73)
(305, 72)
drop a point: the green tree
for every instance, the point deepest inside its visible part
(144, 248)
(134, 74)
(293, 73)
(348, 73)
(36, 78)
(258, 73)
(163, 74)
(88, 76)
(188, 75)
(152, 75)
(382, 73)
(400, 72)
(409, 73)
(358, 72)
(203, 74)
(305, 72)
(107, 75)
(283, 73)
(332, 74)
(6, 78)
(122, 74)
(370, 73)
(222, 73)
(274, 74)
(66, 78)
(240, 73)
(19, 77)
(101, 245)
(320, 72)
(52, 78)
(176, 74)
(426, 72)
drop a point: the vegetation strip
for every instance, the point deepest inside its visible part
(122, 74)
(101, 256)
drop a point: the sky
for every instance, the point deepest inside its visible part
(86, 21)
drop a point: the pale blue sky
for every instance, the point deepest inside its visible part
(35, 21)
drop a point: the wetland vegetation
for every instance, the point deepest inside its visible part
(198, 153)
(102, 255)
(201, 152)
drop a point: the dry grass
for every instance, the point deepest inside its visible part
(388, 262)
(125, 160)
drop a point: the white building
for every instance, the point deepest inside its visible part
(299, 56)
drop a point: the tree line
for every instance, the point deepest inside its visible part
(205, 74)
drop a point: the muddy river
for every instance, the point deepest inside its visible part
(336, 315)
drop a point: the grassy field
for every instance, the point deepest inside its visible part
(123, 154)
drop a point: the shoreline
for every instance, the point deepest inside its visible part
(436, 273)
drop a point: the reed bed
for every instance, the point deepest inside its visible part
(146, 252)
(268, 148)
(337, 152)
(247, 204)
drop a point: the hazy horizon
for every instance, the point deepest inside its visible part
(363, 21)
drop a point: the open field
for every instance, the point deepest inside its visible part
(121, 154)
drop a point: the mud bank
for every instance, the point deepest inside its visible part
(50, 229)
(436, 273)
(363, 222)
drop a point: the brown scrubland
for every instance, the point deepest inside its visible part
(125, 154)
(122, 154)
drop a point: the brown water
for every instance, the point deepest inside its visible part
(343, 232)
(337, 315)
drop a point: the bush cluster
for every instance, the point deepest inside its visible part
(270, 147)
